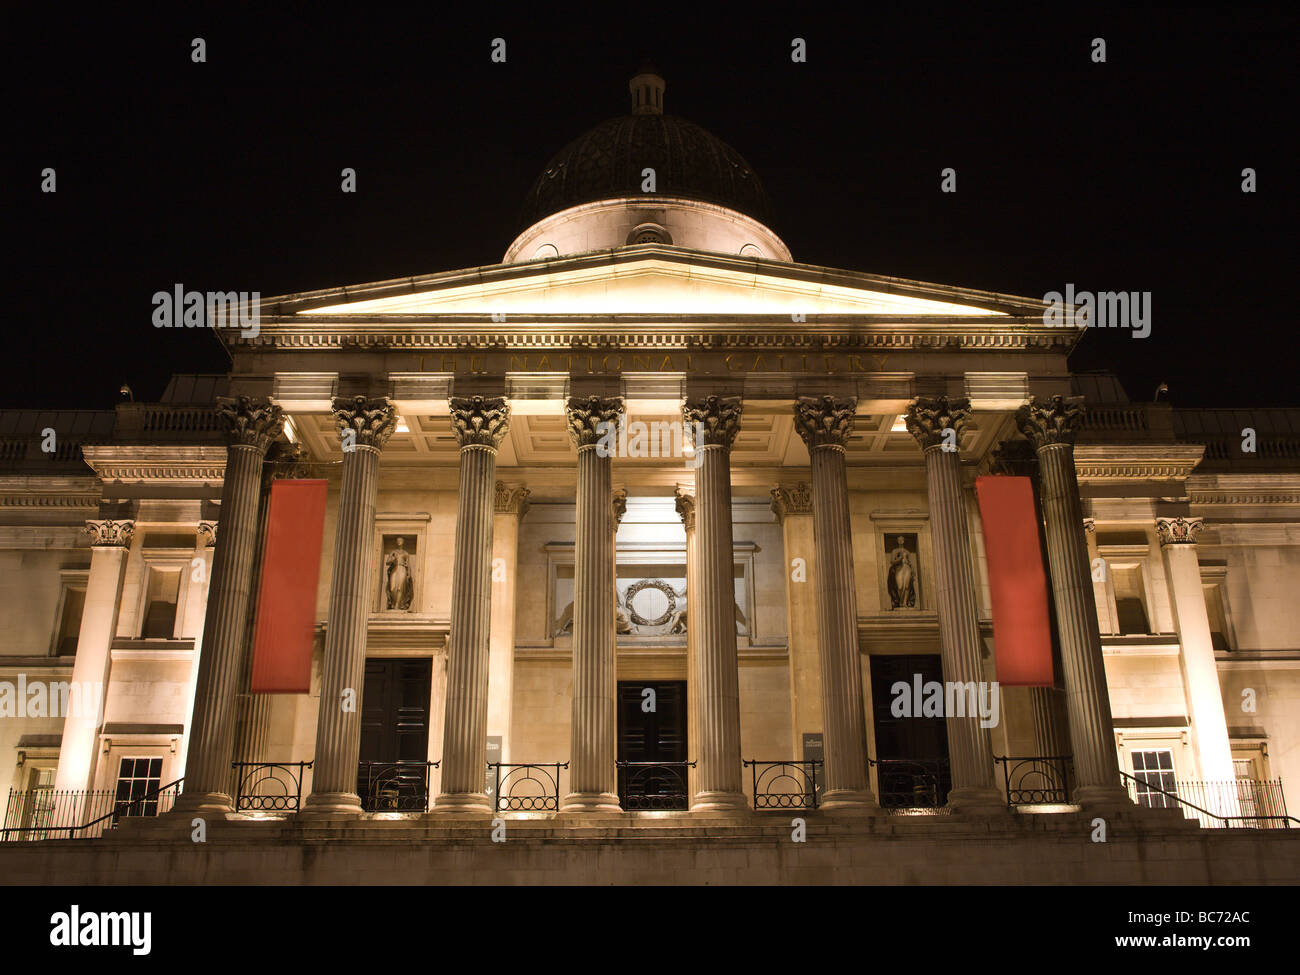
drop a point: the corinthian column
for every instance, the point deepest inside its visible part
(1196, 649)
(824, 423)
(480, 424)
(364, 426)
(1051, 429)
(251, 427)
(593, 781)
(714, 422)
(110, 541)
(936, 423)
(510, 505)
(792, 506)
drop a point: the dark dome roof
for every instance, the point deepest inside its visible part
(607, 162)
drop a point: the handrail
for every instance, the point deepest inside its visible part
(117, 810)
(1226, 820)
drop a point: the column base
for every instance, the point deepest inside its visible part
(719, 802)
(322, 805)
(590, 802)
(978, 801)
(202, 804)
(468, 803)
(854, 801)
(1094, 797)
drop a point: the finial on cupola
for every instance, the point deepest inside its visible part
(647, 88)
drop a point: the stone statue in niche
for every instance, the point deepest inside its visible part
(399, 583)
(901, 575)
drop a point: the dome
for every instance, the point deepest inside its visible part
(607, 162)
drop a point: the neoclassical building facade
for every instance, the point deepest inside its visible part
(647, 515)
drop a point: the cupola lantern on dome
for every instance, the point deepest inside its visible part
(646, 178)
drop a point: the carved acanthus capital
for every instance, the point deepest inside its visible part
(363, 421)
(712, 421)
(287, 460)
(685, 508)
(511, 501)
(1090, 526)
(1179, 531)
(207, 531)
(110, 533)
(592, 418)
(1056, 421)
(795, 500)
(620, 506)
(480, 421)
(250, 422)
(825, 421)
(930, 418)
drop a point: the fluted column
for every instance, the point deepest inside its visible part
(251, 426)
(110, 541)
(480, 424)
(825, 423)
(1196, 648)
(1051, 428)
(364, 426)
(714, 422)
(793, 507)
(685, 503)
(593, 780)
(937, 423)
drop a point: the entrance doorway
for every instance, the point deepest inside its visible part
(911, 752)
(652, 752)
(393, 774)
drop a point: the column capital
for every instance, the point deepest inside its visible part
(207, 531)
(371, 421)
(109, 533)
(479, 421)
(250, 422)
(511, 501)
(1179, 531)
(712, 421)
(927, 418)
(592, 418)
(1054, 422)
(825, 421)
(793, 500)
(620, 506)
(685, 508)
(1090, 525)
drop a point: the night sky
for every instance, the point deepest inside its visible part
(226, 175)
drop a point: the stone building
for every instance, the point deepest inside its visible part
(643, 502)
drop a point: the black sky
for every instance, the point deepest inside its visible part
(225, 175)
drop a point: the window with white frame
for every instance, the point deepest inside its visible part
(1154, 770)
(136, 779)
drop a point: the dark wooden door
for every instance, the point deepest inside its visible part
(911, 751)
(651, 739)
(393, 774)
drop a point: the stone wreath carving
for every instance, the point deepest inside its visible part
(664, 588)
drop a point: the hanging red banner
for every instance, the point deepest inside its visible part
(1022, 632)
(286, 604)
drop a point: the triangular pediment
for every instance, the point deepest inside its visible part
(653, 280)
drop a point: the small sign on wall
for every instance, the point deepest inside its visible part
(493, 756)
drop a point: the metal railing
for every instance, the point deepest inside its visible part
(269, 786)
(526, 786)
(394, 786)
(653, 785)
(46, 814)
(904, 783)
(1239, 804)
(1035, 780)
(785, 784)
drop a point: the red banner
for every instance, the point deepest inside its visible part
(1022, 632)
(286, 604)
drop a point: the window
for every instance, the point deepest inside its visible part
(74, 604)
(1218, 618)
(38, 804)
(1130, 604)
(136, 778)
(1155, 768)
(164, 588)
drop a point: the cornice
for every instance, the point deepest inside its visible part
(157, 463)
(1155, 462)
